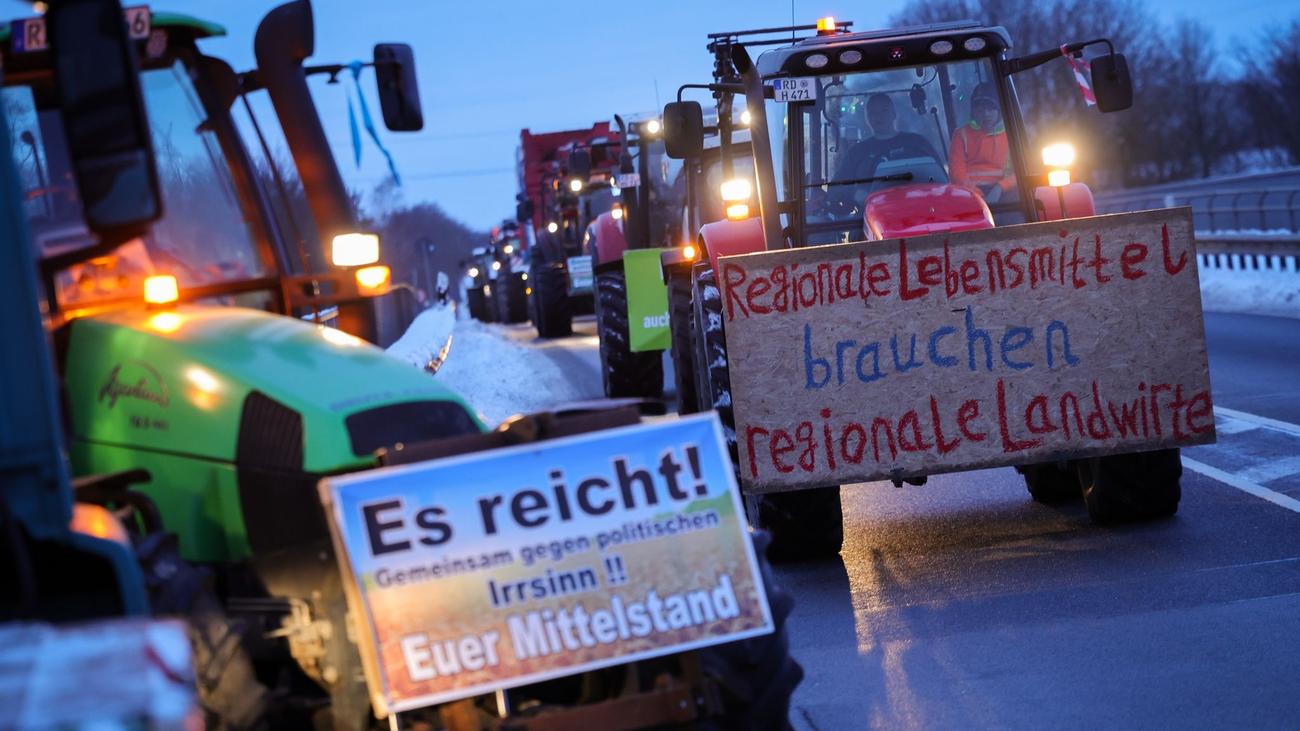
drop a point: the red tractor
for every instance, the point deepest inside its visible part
(883, 135)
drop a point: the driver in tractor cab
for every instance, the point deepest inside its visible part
(886, 142)
(979, 155)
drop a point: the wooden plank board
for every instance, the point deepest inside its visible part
(951, 352)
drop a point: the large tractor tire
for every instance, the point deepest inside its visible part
(548, 305)
(1126, 487)
(476, 300)
(681, 320)
(806, 524)
(625, 374)
(757, 676)
(509, 298)
(1051, 483)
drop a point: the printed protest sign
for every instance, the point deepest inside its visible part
(982, 348)
(507, 567)
(647, 301)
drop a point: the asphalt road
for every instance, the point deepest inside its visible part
(1255, 364)
(963, 604)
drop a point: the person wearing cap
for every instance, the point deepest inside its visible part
(979, 155)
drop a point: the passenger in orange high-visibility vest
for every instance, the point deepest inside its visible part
(979, 155)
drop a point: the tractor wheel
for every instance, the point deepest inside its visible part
(477, 303)
(1051, 483)
(681, 320)
(623, 372)
(508, 295)
(757, 677)
(805, 524)
(1137, 486)
(549, 302)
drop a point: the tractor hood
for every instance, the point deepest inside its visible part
(926, 208)
(224, 383)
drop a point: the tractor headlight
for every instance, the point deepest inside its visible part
(161, 289)
(1059, 155)
(374, 280)
(354, 249)
(737, 189)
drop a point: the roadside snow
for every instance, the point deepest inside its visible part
(425, 337)
(501, 377)
(1254, 292)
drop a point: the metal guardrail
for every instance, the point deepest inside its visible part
(1266, 209)
(1280, 253)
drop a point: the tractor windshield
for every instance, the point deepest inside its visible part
(596, 199)
(880, 129)
(202, 239)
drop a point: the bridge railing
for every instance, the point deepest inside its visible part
(1278, 253)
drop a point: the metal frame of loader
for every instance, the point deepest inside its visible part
(809, 522)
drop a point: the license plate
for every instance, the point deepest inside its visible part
(28, 35)
(628, 180)
(580, 277)
(795, 90)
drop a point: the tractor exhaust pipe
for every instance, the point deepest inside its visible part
(284, 39)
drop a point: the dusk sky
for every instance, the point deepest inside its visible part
(487, 69)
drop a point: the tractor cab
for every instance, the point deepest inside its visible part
(237, 226)
(904, 132)
(878, 136)
(211, 242)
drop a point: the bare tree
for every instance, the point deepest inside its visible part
(1182, 120)
(1270, 90)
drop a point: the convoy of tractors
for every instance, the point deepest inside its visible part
(200, 349)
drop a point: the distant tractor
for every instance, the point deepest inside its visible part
(478, 292)
(509, 290)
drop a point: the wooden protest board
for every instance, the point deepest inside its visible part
(949, 352)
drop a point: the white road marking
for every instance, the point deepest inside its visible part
(1293, 429)
(1271, 470)
(1248, 479)
(1258, 491)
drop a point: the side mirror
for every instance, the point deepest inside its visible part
(399, 96)
(103, 117)
(579, 164)
(683, 130)
(1111, 83)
